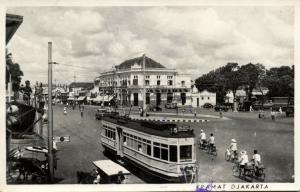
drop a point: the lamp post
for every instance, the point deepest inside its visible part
(234, 70)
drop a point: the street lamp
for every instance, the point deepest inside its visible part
(234, 70)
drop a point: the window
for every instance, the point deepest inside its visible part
(164, 154)
(147, 98)
(158, 82)
(170, 82)
(173, 153)
(208, 98)
(185, 152)
(156, 152)
(182, 83)
(147, 76)
(158, 76)
(147, 82)
(135, 82)
(149, 150)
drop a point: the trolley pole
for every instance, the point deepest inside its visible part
(144, 89)
(50, 115)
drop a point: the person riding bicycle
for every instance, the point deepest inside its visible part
(202, 138)
(256, 159)
(233, 148)
(211, 142)
(243, 160)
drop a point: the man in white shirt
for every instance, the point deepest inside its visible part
(202, 137)
(243, 161)
(211, 141)
(256, 158)
(233, 147)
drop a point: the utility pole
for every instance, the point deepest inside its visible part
(50, 115)
(144, 89)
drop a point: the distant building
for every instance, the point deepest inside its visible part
(78, 91)
(163, 85)
(198, 99)
(241, 95)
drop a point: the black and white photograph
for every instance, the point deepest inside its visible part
(112, 96)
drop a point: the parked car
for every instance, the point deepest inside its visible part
(100, 113)
(221, 108)
(258, 105)
(155, 108)
(170, 105)
(208, 105)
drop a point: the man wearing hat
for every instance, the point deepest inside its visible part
(233, 148)
(243, 160)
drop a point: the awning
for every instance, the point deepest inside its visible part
(110, 168)
(81, 98)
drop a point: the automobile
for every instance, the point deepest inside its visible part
(221, 108)
(170, 105)
(258, 105)
(207, 105)
(155, 108)
(100, 113)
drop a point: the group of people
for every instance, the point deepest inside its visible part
(81, 109)
(203, 140)
(242, 158)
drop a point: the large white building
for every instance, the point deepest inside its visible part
(162, 85)
(200, 98)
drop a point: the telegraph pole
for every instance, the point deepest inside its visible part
(144, 89)
(50, 115)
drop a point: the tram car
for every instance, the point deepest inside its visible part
(162, 149)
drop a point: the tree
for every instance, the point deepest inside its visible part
(15, 71)
(252, 75)
(280, 81)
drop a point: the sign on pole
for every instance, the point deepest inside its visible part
(62, 139)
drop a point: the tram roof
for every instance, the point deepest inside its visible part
(162, 129)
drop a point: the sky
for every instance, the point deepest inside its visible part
(194, 40)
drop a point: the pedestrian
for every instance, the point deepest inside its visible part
(280, 110)
(65, 110)
(273, 115)
(176, 110)
(221, 115)
(98, 177)
(195, 113)
(251, 108)
(81, 111)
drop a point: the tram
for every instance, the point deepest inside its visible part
(159, 148)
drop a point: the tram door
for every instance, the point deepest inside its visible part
(120, 142)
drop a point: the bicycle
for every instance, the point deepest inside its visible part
(230, 156)
(212, 150)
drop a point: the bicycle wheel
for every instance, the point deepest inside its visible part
(236, 170)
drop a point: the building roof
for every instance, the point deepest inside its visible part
(12, 24)
(149, 63)
(153, 128)
(86, 85)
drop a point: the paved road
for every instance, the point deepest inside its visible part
(274, 139)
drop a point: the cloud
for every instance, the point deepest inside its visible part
(194, 40)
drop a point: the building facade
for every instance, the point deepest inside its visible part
(198, 99)
(162, 85)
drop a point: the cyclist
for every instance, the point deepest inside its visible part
(202, 138)
(233, 148)
(243, 160)
(256, 159)
(211, 142)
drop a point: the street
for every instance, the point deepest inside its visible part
(273, 139)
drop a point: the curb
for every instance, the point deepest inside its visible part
(174, 120)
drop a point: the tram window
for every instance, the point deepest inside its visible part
(185, 152)
(164, 154)
(106, 132)
(149, 150)
(124, 139)
(156, 152)
(140, 147)
(173, 153)
(114, 135)
(156, 144)
(163, 145)
(135, 144)
(144, 148)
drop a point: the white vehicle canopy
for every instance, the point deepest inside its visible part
(110, 168)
